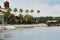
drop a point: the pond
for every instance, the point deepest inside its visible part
(36, 33)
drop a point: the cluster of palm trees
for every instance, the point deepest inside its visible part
(26, 11)
(10, 18)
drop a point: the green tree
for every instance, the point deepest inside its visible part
(6, 17)
(21, 18)
(31, 11)
(28, 18)
(15, 10)
(38, 11)
(8, 10)
(21, 10)
(26, 11)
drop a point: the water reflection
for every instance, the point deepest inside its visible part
(6, 35)
(36, 33)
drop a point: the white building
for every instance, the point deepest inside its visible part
(3, 10)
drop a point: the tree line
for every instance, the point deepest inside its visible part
(10, 18)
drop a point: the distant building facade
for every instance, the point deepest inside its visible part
(6, 4)
(3, 10)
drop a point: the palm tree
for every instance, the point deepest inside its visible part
(20, 15)
(31, 11)
(21, 10)
(26, 11)
(20, 18)
(15, 10)
(38, 11)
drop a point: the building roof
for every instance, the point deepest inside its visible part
(2, 10)
(52, 21)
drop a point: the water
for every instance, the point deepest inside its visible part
(36, 33)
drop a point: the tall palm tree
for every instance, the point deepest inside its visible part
(21, 18)
(38, 11)
(15, 10)
(21, 10)
(20, 15)
(26, 11)
(31, 11)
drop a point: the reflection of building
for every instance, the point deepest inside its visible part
(3, 10)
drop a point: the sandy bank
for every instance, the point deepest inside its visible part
(7, 27)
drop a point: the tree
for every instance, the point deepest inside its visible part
(27, 11)
(8, 10)
(15, 10)
(28, 18)
(6, 17)
(21, 10)
(38, 11)
(12, 18)
(0, 7)
(20, 18)
(31, 11)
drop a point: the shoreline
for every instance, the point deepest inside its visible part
(7, 27)
(12, 27)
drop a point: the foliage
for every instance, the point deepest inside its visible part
(15, 10)
(32, 11)
(21, 10)
(28, 17)
(26, 11)
(38, 11)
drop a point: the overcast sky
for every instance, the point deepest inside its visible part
(47, 7)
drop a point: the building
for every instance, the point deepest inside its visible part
(52, 23)
(6, 4)
(3, 10)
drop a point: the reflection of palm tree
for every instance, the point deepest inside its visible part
(11, 17)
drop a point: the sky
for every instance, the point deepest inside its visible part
(46, 7)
